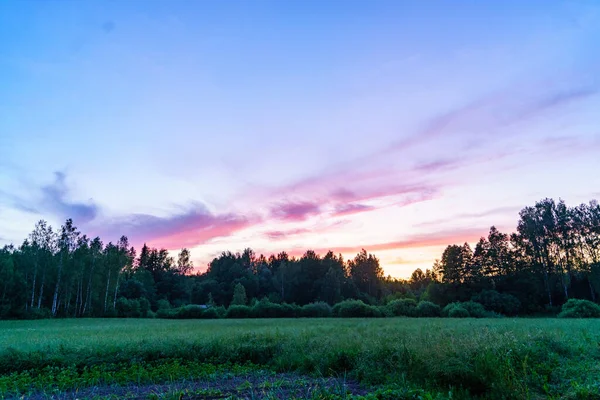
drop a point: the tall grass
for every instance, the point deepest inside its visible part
(493, 358)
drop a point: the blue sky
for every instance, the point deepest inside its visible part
(398, 126)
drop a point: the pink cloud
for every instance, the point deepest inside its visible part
(352, 208)
(188, 229)
(458, 236)
(278, 235)
(298, 211)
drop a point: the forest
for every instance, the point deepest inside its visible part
(553, 256)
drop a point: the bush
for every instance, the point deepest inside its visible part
(163, 304)
(266, 309)
(403, 307)
(385, 311)
(475, 310)
(446, 310)
(458, 312)
(36, 313)
(128, 308)
(166, 314)
(316, 310)
(290, 310)
(237, 311)
(576, 308)
(191, 311)
(355, 309)
(427, 309)
(502, 303)
(144, 307)
(213, 313)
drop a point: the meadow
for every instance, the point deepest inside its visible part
(426, 358)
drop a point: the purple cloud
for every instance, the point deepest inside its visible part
(55, 200)
(295, 211)
(347, 209)
(191, 228)
(279, 235)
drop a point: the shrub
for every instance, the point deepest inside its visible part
(355, 309)
(191, 311)
(36, 313)
(498, 302)
(290, 310)
(385, 312)
(446, 310)
(213, 313)
(144, 307)
(458, 312)
(163, 304)
(576, 308)
(128, 308)
(403, 307)
(167, 314)
(475, 310)
(266, 309)
(316, 310)
(237, 311)
(427, 309)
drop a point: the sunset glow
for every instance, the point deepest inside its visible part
(288, 126)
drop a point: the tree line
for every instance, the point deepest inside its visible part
(553, 256)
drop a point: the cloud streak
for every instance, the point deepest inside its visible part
(191, 228)
(55, 200)
(295, 211)
(441, 238)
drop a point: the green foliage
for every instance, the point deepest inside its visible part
(501, 303)
(575, 308)
(36, 313)
(236, 311)
(128, 308)
(316, 310)
(475, 310)
(192, 311)
(403, 307)
(427, 309)
(213, 313)
(239, 295)
(163, 304)
(266, 309)
(458, 312)
(355, 309)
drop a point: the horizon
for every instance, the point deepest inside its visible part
(399, 127)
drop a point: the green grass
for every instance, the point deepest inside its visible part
(495, 358)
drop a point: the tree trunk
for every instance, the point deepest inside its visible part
(55, 298)
(106, 294)
(33, 285)
(591, 290)
(116, 288)
(88, 294)
(41, 290)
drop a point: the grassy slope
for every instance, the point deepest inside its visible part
(500, 358)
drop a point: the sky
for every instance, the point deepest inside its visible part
(399, 127)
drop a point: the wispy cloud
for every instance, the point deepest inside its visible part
(441, 238)
(191, 228)
(279, 235)
(513, 210)
(55, 200)
(295, 211)
(352, 208)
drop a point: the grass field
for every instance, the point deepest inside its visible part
(302, 358)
